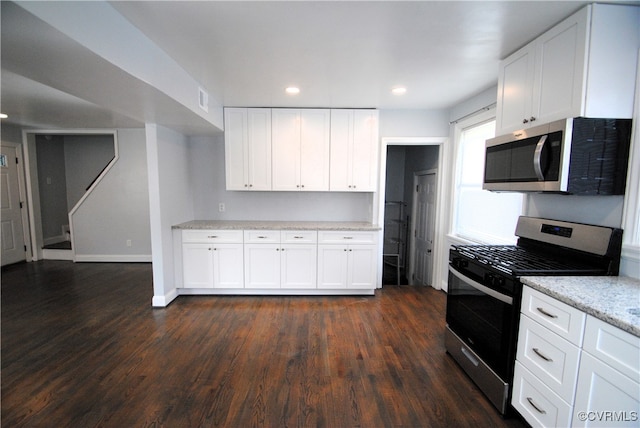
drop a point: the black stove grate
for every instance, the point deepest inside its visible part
(515, 260)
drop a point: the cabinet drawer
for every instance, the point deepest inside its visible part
(551, 358)
(299, 236)
(212, 236)
(261, 236)
(537, 404)
(615, 347)
(560, 318)
(347, 237)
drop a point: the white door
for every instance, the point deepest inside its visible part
(361, 266)
(341, 150)
(332, 266)
(298, 266)
(314, 149)
(197, 265)
(259, 148)
(285, 146)
(262, 265)
(228, 266)
(13, 244)
(364, 156)
(424, 202)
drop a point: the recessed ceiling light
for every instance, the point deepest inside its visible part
(3, 116)
(398, 90)
(292, 90)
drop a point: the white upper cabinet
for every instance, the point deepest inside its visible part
(354, 150)
(285, 149)
(584, 66)
(248, 148)
(300, 149)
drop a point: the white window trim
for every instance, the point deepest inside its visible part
(631, 209)
(459, 127)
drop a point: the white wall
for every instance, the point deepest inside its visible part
(117, 210)
(208, 177)
(85, 156)
(171, 201)
(413, 123)
(10, 133)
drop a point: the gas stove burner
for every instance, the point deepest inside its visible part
(515, 260)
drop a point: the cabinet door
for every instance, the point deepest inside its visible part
(236, 148)
(364, 155)
(314, 149)
(298, 266)
(341, 149)
(262, 265)
(197, 262)
(286, 149)
(515, 90)
(361, 266)
(332, 266)
(228, 266)
(259, 148)
(605, 396)
(560, 70)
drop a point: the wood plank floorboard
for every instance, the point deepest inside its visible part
(82, 347)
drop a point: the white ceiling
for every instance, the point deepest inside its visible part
(340, 54)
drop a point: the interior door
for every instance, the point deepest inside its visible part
(13, 244)
(424, 201)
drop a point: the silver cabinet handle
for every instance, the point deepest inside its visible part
(298, 237)
(541, 355)
(545, 313)
(212, 236)
(533, 404)
(262, 237)
(347, 237)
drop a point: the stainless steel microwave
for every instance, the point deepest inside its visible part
(583, 156)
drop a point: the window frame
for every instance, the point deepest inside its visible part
(459, 127)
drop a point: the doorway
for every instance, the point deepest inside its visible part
(401, 160)
(63, 167)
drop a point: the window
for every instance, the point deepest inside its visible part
(479, 215)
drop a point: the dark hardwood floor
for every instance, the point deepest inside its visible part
(82, 347)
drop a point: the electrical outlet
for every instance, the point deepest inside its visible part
(128, 242)
(221, 207)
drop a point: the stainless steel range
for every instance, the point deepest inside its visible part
(484, 292)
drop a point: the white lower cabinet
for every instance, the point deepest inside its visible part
(347, 260)
(302, 261)
(536, 402)
(212, 260)
(608, 390)
(280, 259)
(573, 369)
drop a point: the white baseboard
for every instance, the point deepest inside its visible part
(163, 301)
(48, 254)
(114, 258)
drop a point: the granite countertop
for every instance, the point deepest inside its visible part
(613, 299)
(277, 225)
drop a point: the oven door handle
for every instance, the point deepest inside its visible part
(493, 293)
